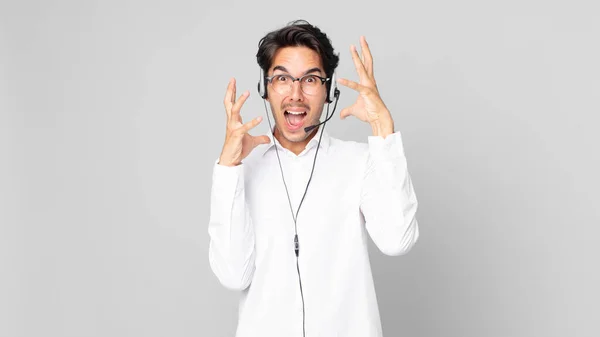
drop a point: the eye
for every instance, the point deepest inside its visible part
(281, 78)
(311, 79)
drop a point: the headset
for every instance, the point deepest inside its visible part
(331, 94)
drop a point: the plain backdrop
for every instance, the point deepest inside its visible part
(112, 118)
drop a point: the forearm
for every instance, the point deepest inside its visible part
(231, 249)
(388, 199)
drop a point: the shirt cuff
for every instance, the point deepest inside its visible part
(228, 181)
(391, 145)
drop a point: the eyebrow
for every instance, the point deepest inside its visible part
(311, 70)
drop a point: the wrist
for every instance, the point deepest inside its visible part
(383, 126)
(225, 162)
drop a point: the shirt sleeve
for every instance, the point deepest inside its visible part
(388, 201)
(231, 248)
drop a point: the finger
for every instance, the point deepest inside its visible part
(345, 113)
(235, 110)
(368, 57)
(227, 100)
(234, 92)
(251, 124)
(229, 92)
(350, 84)
(358, 64)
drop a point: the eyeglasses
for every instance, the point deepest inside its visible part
(310, 84)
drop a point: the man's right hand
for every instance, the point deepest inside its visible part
(238, 143)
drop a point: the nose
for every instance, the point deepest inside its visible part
(296, 93)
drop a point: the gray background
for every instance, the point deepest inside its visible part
(112, 118)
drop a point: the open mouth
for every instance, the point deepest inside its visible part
(295, 119)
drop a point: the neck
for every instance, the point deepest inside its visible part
(295, 147)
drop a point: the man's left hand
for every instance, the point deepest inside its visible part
(369, 106)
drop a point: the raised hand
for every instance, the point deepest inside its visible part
(238, 143)
(369, 106)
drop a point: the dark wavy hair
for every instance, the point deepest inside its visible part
(298, 33)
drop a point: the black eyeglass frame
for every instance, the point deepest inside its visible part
(269, 79)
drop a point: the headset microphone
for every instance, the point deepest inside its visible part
(337, 97)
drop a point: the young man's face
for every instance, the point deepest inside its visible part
(296, 109)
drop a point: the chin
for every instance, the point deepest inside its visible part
(294, 136)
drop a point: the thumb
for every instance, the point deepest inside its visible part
(345, 113)
(261, 140)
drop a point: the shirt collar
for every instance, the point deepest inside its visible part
(311, 143)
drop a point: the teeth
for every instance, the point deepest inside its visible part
(296, 112)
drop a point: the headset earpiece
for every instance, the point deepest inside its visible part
(333, 90)
(262, 90)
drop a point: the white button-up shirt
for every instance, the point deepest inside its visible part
(357, 189)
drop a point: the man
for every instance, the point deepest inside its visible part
(288, 228)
